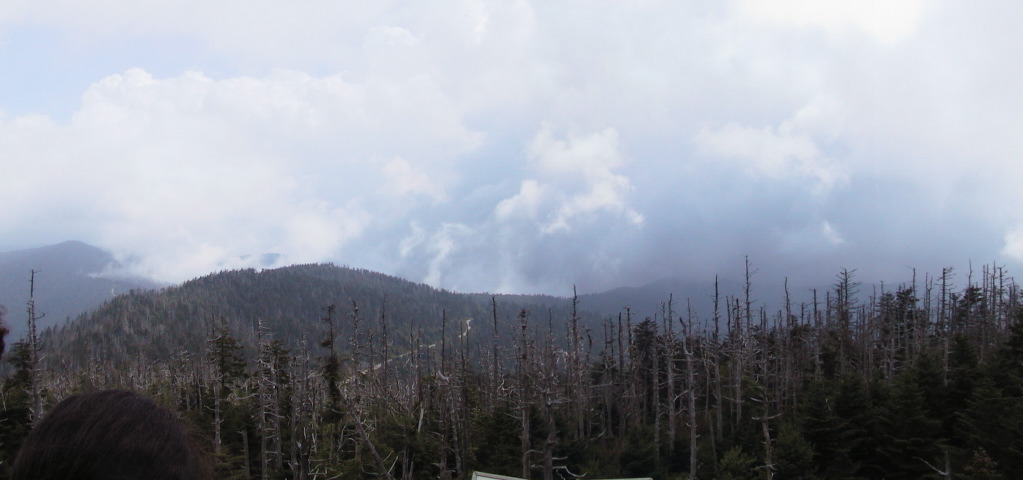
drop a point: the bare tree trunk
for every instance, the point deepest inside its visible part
(552, 440)
(35, 379)
(669, 354)
(943, 320)
(788, 390)
(718, 397)
(739, 355)
(524, 393)
(621, 379)
(217, 439)
(768, 450)
(360, 427)
(524, 439)
(691, 396)
(495, 377)
(245, 452)
(385, 362)
(548, 389)
(655, 386)
(356, 341)
(576, 376)
(265, 394)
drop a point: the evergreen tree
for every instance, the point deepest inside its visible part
(854, 388)
(832, 436)
(993, 418)
(910, 435)
(981, 467)
(496, 451)
(793, 454)
(737, 465)
(226, 353)
(16, 405)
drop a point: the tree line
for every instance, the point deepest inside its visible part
(923, 380)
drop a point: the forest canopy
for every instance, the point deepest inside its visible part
(322, 372)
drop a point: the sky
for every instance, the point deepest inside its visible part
(518, 146)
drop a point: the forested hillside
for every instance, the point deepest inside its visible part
(920, 380)
(71, 278)
(289, 302)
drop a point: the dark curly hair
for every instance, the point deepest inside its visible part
(109, 435)
(3, 330)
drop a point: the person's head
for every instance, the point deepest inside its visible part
(109, 435)
(3, 330)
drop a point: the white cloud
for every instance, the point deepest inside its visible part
(450, 238)
(580, 177)
(391, 35)
(885, 21)
(524, 204)
(192, 173)
(413, 240)
(571, 194)
(403, 179)
(775, 153)
(466, 141)
(1013, 244)
(320, 232)
(810, 240)
(830, 234)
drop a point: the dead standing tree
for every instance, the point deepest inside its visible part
(445, 388)
(496, 383)
(224, 353)
(356, 400)
(764, 395)
(332, 364)
(304, 415)
(34, 388)
(523, 390)
(687, 350)
(271, 377)
(578, 384)
(669, 363)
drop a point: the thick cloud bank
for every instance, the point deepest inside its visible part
(517, 146)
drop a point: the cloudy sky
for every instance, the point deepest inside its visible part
(517, 146)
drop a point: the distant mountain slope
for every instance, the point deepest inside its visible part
(290, 302)
(66, 284)
(646, 300)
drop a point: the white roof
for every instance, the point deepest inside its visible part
(491, 476)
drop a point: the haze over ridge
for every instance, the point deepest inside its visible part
(517, 146)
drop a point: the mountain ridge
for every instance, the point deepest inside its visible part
(289, 303)
(69, 279)
(290, 298)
